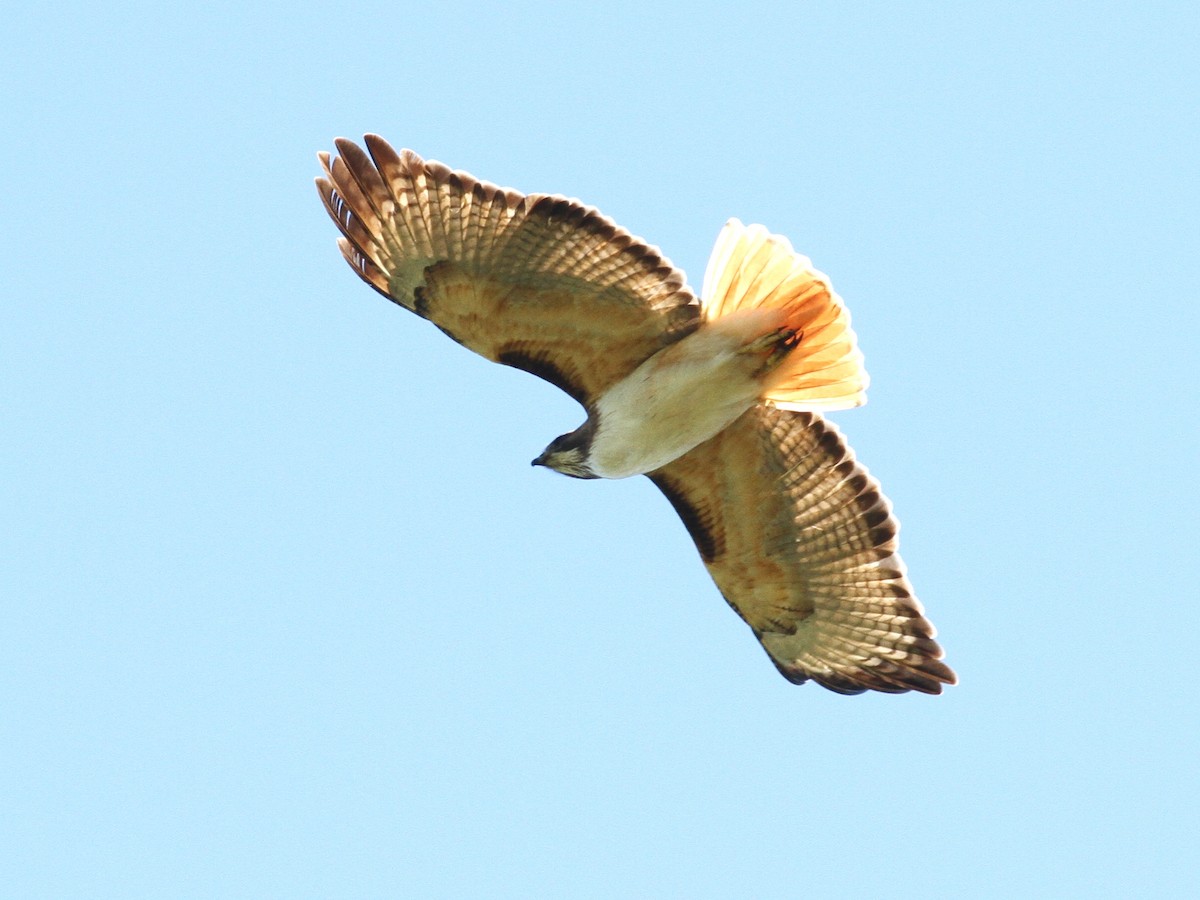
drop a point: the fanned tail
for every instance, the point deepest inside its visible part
(751, 269)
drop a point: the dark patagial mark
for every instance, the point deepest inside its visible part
(695, 523)
(543, 368)
(421, 301)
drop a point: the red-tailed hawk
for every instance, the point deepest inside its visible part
(715, 400)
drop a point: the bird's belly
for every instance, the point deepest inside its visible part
(677, 399)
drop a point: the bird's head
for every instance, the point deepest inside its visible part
(568, 453)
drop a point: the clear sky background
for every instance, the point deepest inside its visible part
(286, 613)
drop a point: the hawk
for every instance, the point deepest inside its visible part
(716, 399)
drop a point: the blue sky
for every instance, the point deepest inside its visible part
(288, 614)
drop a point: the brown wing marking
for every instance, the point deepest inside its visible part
(699, 521)
(802, 544)
(539, 282)
(539, 363)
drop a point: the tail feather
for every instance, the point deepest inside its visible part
(749, 269)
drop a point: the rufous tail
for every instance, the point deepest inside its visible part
(749, 269)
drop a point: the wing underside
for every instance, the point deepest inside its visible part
(802, 544)
(539, 282)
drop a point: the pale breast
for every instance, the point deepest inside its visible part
(677, 399)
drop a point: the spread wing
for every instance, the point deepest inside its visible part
(538, 282)
(802, 544)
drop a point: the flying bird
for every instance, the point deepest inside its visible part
(716, 399)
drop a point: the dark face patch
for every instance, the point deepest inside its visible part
(568, 453)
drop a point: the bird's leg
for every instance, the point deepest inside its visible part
(774, 346)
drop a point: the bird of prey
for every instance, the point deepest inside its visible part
(716, 399)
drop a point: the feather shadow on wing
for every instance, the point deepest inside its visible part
(795, 533)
